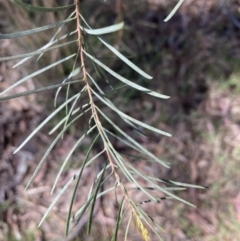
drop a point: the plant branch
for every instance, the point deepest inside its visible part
(94, 109)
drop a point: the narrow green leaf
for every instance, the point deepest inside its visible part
(104, 192)
(118, 221)
(36, 73)
(100, 72)
(94, 201)
(153, 188)
(42, 48)
(117, 157)
(174, 188)
(56, 199)
(44, 122)
(90, 120)
(68, 88)
(75, 71)
(105, 30)
(133, 141)
(99, 175)
(25, 93)
(126, 60)
(174, 10)
(72, 74)
(51, 147)
(69, 155)
(121, 56)
(110, 102)
(40, 9)
(144, 190)
(66, 186)
(130, 83)
(123, 212)
(32, 31)
(158, 187)
(73, 105)
(53, 39)
(125, 170)
(119, 162)
(81, 211)
(40, 51)
(177, 183)
(127, 228)
(123, 115)
(78, 213)
(64, 119)
(77, 183)
(125, 142)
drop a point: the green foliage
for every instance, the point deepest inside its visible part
(115, 161)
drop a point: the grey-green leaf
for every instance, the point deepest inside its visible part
(35, 74)
(127, 228)
(38, 90)
(66, 186)
(174, 10)
(34, 30)
(122, 57)
(44, 47)
(110, 102)
(51, 147)
(44, 122)
(41, 9)
(105, 30)
(126, 61)
(78, 180)
(164, 190)
(69, 155)
(144, 150)
(114, 238)
(123, 115)
(40, 51)
(94, 200)
(130, 83)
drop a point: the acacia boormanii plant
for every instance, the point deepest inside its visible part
(115, 161)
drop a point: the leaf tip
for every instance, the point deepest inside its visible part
(26, 188)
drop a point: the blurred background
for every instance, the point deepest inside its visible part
(194, 58)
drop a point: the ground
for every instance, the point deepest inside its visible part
(194, 59)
